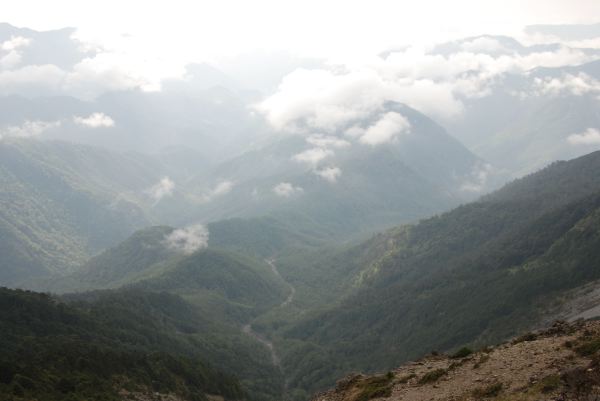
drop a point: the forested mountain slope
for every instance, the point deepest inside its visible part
(116, 344)
(477, 274)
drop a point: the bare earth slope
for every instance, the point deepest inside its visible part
(560, 363)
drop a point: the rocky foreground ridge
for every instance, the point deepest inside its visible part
(559, 363)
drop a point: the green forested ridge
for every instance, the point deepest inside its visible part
(225, 288)
(52, 350)
(61, 203)
(226, 284)
(138, 257)
(378, 186)
(264, 237)
(474, 275)
(477, 274)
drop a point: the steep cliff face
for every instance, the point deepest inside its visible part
(559, 363)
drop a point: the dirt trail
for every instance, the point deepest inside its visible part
(290, 298)
(248, 330)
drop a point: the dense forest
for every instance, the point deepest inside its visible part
(137, 342)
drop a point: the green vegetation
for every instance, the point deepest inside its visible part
(588, 346)
(550, 383)
(404, 292)
(79, 350)
(61, 203)
(432, 376)
(462, 353)
(482, 359)
(525, 337)
(487, 392)
(375, 387)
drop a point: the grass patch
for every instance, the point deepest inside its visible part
(433, 376)
(375, 387)
(482, 359)
(405, 379)
(487, 392)
(462, 353)
(525, 337)
(589, 347)
(550, 383)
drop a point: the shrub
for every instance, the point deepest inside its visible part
(482, 359)
(376, 387)
(589, 347)
(462, 353)
(550, 383)
(405, 379)
(487, 392)
(432, 376)
(525, 337)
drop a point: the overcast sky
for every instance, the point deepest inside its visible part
(196, 30)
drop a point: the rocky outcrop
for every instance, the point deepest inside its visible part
(559, 363)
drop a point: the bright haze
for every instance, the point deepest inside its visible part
(249, 200)
(157, 39)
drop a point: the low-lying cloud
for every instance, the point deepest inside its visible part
(333, 99)
(330, 173)
(10, 52)
(188, 240)
(325, 141)
(28, 129)
(95, 120)
(477, 180)
(162, 189)
(386, 129)
(591, 136)
(570, 84)
(222, 188)
(313, 156)
(286, 190)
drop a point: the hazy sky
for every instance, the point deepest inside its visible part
(205, 29)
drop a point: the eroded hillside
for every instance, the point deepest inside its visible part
(559, 363)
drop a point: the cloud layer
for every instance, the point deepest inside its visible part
(386, 129)
(591, 136)
(28, 129)
(437, 84)
(95, 120)
(286, 190)
(188, 240)
(163, 188)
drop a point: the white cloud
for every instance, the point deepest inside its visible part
(313, 156)
(483, 44)
(354, 131)
(222, 188)
(162, 189)
(12, 57)
(188, 240)
(386, 129)
(478, 179)
(39, 79)
(285, 190)
(591, 136)
(92, 76)
(10, 60)
(28, 129)
(14, 43)
(578, 85)
(95, 120)
(325, 141)
(323, 100)
(330, 174)
(335, 98)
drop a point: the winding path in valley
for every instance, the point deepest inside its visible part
(248, 330)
